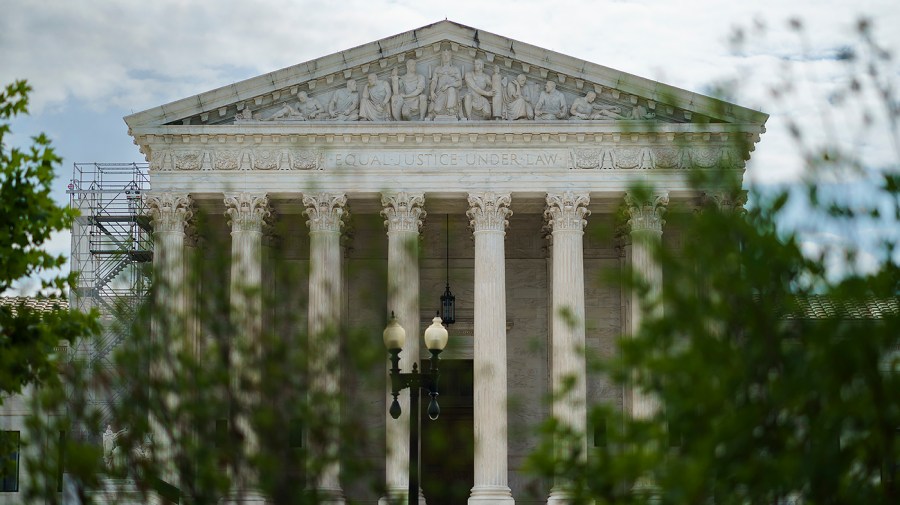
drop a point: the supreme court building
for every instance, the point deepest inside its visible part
(521, 154)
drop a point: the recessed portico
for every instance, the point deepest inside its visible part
(466, 146)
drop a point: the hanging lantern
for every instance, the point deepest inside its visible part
(448, 307)
(448, 301)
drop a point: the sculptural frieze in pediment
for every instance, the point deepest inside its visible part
(451, 86)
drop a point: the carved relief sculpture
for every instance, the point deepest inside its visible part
(551, 104)
(477, 101)
(375, 102)
(497, 102)
(516, 105)
(344, 104)
(244, 115)
(308, 109)
(586, 108)
(409, 100)
(445, 83)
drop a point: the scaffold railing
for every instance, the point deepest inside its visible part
(112, 248)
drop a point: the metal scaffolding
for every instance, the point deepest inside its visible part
(112, 247)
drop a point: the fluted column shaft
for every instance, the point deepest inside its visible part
(169, 213)
(326, 213)
(645, 222)
(566, 213)
(488, 213)
(247, 214)
(403, 215)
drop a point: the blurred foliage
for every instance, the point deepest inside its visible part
(187, 391)
(776, 380)
(28, 216)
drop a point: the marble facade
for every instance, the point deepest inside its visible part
(511, 145)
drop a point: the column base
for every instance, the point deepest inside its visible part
(329, 496)
(244, 497)
(122, 491)
(558, 496)
(397, 496)
(491, 495)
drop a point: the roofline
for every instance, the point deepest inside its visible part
(423, 37)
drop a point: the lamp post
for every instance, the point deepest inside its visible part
(435, 340)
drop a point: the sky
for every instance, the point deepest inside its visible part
(93, 62)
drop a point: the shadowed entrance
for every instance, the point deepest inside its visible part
(448, 443)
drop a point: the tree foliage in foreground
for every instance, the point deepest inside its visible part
(28, 216)
(777, 381)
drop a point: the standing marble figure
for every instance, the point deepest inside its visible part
(409, 100)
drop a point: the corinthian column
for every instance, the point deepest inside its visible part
(247, 214)
(325, 212)
(565, 215)
(169, 214)
(403, 215)
(645, 222)
(488, 213)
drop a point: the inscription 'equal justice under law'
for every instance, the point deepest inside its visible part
(508, 159)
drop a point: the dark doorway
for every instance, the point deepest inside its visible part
(448, 444)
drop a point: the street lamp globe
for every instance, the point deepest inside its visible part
(436, 335)
(394, 335)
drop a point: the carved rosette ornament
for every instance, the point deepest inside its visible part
(325, 211)
(403, 211)
(247, 211)
(169, 212)
(489, 211)
(566, 211)
(646, 215)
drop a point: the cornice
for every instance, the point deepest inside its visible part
(425, 41)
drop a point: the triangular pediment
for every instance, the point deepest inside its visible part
(445, 56)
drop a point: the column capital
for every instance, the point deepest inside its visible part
(403, 211)
(724, 201)
(169, 212)
(325, 211)
(247, 211)
(489, 211)
(566, 211)
(646, 214)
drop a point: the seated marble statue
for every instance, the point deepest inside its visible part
(586, 108)
(375, 104)
(344, 104)
(551, 104)
(517, 105)
(409, 100)
(478, 100)
(308, 109)
(445, 83)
